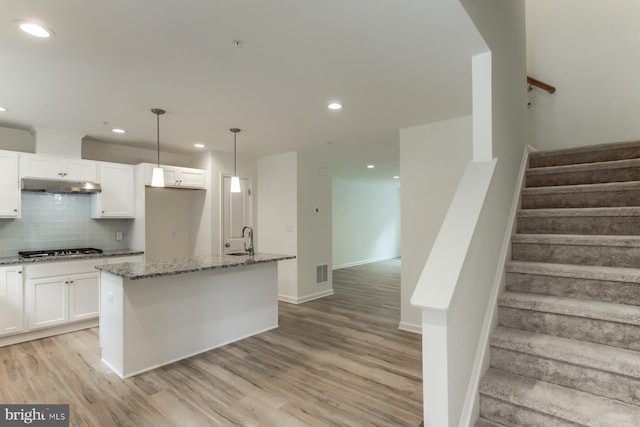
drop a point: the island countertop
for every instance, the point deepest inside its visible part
(167, 267)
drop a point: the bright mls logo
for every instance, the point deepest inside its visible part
(34, 415)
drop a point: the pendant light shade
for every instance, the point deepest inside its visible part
(235, 184)
(235, 180)
(157, 179)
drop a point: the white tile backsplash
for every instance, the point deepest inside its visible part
(60, 221)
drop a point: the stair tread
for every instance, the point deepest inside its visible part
(610, 312)
(593, 272)
(583, 188)
(583, 167)
(578, 239)
(610, 146)
(617, 211)
(483, 422)
(597, 356)
(561, 402)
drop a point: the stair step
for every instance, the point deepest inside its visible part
(607, 284)
(588, 154)
(586, 173)
(612, 251)
(593, 321)
(483, 422)
(623, 221)
(595, 368)
(514, 400)
(609, 194)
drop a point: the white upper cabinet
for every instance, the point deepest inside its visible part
(9, 185)
(117, 199)
(178, 177)
(37, 166)
(192, 178)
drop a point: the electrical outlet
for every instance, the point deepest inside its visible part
(118, 235)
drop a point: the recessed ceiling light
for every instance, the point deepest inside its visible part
(3, 109)
(371, 166)
(118, 130)
(334, 106)
(198, 145)
(35, 30)
(396, 177)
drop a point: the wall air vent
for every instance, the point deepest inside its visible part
(322, 273)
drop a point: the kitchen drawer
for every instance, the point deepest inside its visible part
(61, 268)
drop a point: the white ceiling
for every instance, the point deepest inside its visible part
(392, 63)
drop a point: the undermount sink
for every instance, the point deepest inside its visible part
(239, 253)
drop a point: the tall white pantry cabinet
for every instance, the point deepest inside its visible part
(11, 300)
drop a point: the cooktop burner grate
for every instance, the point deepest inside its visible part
(59, 252)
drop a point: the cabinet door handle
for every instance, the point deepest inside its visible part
(66, 282)
(19, 271)
(15, 210)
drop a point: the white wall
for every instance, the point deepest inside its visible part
(169, 225)
(432, 160)
(588, 50)
(366, 221)
(314, 229)
(292, 186)
(278, 219)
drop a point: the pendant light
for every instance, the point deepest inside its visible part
(235, 180)
(157, 179)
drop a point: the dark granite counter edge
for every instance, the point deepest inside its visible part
(15, 260)
(114, 268)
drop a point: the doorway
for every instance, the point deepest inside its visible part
(236, 212)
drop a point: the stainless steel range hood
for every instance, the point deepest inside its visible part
(59, 186)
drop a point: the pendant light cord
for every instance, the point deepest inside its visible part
(158, 135)
(235, 154)
(157, 112)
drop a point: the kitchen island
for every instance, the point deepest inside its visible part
(159, 312)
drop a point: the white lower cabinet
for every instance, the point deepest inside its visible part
(62, 292)
(84, 296)
(11, 300)
(49, 301)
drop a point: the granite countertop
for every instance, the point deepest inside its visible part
(13, 260)
(167, 267)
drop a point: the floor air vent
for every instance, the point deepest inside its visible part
(322, 273)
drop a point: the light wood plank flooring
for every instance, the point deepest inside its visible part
(337, 361)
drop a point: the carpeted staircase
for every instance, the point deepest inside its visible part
(566, 351)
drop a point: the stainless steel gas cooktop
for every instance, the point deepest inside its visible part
(59, 252)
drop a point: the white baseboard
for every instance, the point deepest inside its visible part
(306, 298)
(410, 327)
(364, 261)
(47, 332)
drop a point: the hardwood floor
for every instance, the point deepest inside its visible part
(337, 361)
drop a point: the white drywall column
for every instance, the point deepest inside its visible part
(481, 99)
(278, 217)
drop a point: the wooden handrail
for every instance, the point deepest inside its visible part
(541, 85)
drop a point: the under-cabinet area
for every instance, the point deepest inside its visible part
(40, 299)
